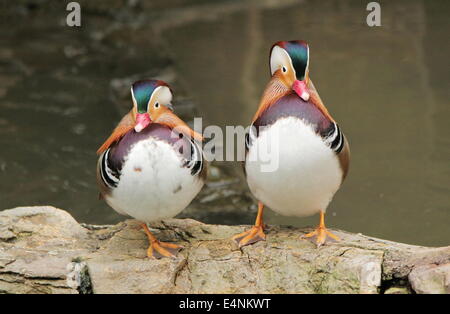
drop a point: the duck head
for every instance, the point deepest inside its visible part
(289, 61)
(152, 103)
(149, 96)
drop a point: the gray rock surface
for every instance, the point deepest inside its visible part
(44, 250)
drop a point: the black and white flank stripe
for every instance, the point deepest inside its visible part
(110, 176)
(250, 136)
(195, 163)
(335, 138)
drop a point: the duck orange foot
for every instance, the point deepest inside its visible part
(320, 236)
(255, 234)
(159, 250)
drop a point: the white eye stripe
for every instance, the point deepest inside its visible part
(161, 95)
(134, 99)
(280, 58)
(307, 62)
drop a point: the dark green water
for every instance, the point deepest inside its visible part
(388, 87)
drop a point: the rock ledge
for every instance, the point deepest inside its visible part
(44, 250)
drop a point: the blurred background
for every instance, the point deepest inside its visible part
(63, 89)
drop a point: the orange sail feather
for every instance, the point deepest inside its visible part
(124, 126)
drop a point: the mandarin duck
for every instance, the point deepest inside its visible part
(293, 127)
(151, 167)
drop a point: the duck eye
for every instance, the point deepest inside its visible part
(157, 105)
(284, 69)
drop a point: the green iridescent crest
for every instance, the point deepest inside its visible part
(142, 91)
(299, 53)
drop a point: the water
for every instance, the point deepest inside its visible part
(386, 86)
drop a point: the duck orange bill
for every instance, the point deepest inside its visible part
(142, 121)
(300, 88)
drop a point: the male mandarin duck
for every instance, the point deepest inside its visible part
(312, 152)
(151, 166)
